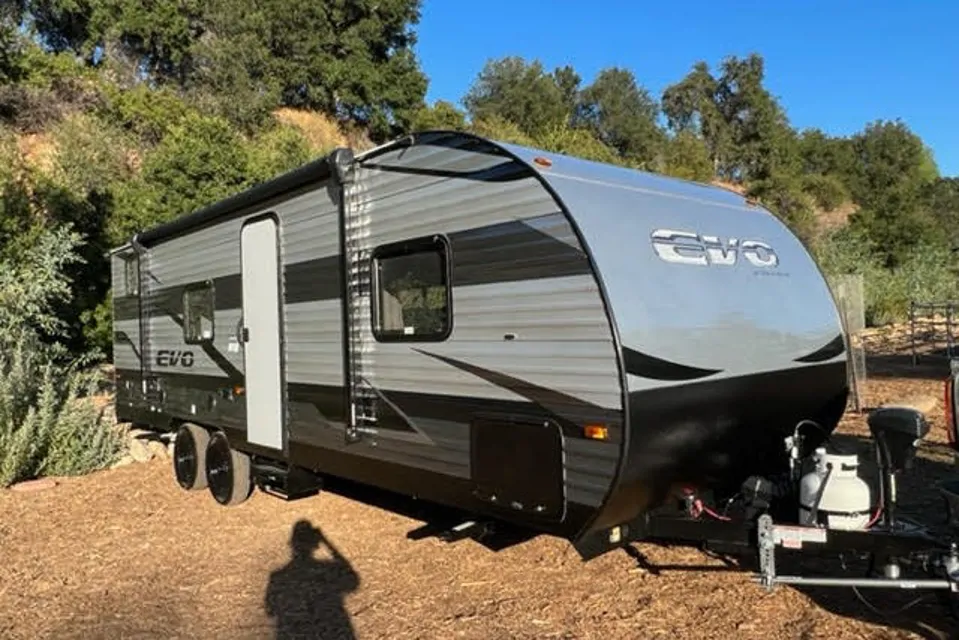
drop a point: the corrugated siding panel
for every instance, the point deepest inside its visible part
(314, 336)
(562, 343)
(314, 347)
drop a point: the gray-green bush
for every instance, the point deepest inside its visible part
(928, 274)
(49, 421)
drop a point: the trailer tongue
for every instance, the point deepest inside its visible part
(904, 554)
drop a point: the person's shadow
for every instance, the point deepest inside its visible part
(306, 596)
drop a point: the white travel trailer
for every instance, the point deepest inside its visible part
(531, 338)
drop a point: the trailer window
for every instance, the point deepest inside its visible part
(198, 313)
(131, 279)
(412, 300)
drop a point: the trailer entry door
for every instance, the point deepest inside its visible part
(259, 254)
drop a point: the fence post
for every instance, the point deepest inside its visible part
(950, 307)
(912, 332)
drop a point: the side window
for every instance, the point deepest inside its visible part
(131, 279)
(198, 313)
(412, 295)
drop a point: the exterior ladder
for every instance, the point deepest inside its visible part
(362, 418)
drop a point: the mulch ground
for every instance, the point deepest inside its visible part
(126, 554)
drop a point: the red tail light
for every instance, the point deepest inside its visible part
(950, 412)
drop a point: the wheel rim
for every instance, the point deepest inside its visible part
(219, 469)
(185, 459)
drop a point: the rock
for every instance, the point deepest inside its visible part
(34, 485)
(139, 450)
(122, 462)
(158, 449)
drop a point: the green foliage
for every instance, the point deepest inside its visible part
(783, 195)
(48, 422)
(687, 157)
(275, 151)
(201, 160)
(891, 161)
(149, 113)
(522, 93)
(828, 191)
(928, 274)
(441, 115)
(498, 128)
(623, 116)
(577, 142)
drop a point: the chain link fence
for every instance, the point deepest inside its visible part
(849, 292)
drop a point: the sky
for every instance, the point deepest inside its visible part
(833, 65)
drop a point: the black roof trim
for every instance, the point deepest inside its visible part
(315, 171)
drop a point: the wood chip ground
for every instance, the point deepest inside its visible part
(126, 554)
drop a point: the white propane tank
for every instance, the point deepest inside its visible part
(845, 501)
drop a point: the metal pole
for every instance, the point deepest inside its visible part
(949, 310)
(912, 331)
(882, 583)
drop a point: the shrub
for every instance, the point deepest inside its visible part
(578, 142)
(927, 275)
(781, 194)
(828, 191)
(49, 423)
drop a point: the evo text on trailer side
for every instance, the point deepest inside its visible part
(533, 341)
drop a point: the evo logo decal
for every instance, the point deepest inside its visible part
(173, 358)
(685, 247)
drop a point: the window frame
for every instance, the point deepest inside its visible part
(206, 285)
(424, 244)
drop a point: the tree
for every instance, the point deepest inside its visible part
(687, 157)
(691, 105)
(348, 58)
(622, 115)
(940, 199)
(891, 161)
(524, 94)
(440, 115)
(747, 131)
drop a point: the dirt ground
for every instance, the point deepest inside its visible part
(126, 554)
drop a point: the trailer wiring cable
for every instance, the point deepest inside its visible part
(839, 449)
(887, 614)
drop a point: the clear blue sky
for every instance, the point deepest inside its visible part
(834, 65)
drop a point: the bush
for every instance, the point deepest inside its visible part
(49, 423)
(828, 191)
(687, 157)
(927, 275)
(577, 142)
(781, 194)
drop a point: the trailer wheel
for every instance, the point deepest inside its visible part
(228, 471)
(189, 456)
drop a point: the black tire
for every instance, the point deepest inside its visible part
(189, 456)
(228, 471)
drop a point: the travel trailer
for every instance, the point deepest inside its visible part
(580, 349)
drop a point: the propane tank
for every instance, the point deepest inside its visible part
(844, 499)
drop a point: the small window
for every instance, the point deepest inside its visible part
(131, 276)
(412, 293)
(198, 313)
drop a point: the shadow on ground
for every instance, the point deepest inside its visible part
(306, 597)
(928, 367)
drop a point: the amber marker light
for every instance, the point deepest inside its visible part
(543, 162)
(596, 432)
(238, 390)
